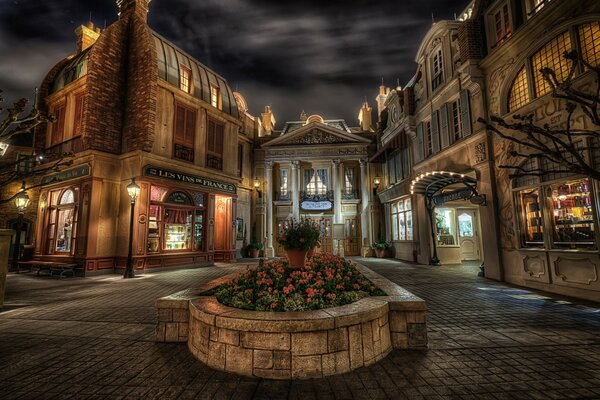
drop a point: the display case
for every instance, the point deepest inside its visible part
(532, 225)
(177, 236)
(572, 214)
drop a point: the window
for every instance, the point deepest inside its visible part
(437, 70)
(518, 95)
(25, 164)
(445, 221)
(456, 121)
(215, 99)
(551, 56)
(283, 184)
(534, 6)
(185, 78)
(402, 220)
(58, 126)
(315, 183)
(240, 160)
(429, 139)
(502, 25)
(175, 223)
(79, 106)
(529, 211)
(395, 233)
(589, 37)
(62, 222)
(214, 144)
(184, 132)
(349, 182)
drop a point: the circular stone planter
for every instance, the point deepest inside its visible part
(302, 344)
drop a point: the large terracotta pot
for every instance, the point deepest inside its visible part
(254, 253)
(380, 253)
(296, 257)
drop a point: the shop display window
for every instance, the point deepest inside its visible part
(62, 221)
(571, 214)
(530, 218)
(153, 229)
(395, 221)
(445, 221)
(402, 220)
(178, 229)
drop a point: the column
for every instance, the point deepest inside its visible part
(338, 246)
(365, 217)
(295, 191)
(269, 250)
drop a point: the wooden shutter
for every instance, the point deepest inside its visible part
(465, 112)
(59, 125)
(210, 137)
(190, 128)
(79, 105)
(444, 131)
(420, 151)
(219, 133)
(435, 132)
(179, 133)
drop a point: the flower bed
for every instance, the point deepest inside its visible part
(325, 281)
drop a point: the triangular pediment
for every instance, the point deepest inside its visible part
(317, 133)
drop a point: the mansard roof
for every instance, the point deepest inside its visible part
(170, 57)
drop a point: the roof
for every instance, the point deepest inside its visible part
(170, 57)
(73, 70)
(340, 124)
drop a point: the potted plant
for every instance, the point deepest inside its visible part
(380, 247)
(254, 247)
(297, 239)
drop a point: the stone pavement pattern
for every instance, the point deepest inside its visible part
(92, 338)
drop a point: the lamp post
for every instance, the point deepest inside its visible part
(21, 202)
(376, 182)
(257, 187)
(133, 189)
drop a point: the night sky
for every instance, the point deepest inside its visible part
(323, 56)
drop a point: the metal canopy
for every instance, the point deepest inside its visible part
(431, 183)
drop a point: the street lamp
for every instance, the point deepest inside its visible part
(133, 189)
(376, 182)
(257, 187)
(21, 202)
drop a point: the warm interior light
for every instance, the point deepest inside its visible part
(562, 197)
(22, 200)
(133, 189)
(376, 181)
(256, 183)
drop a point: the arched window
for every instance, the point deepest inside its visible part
(551, 56)
(62, 221)
(518, 95)
(589, 37)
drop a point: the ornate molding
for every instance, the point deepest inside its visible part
(316, 136)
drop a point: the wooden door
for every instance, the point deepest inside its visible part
(326, 235)
(468, 236)
(351, 236)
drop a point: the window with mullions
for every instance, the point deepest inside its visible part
(185, 78)
(445, 222)
(502, 24)
(283, 184)
(315, 181)
(62, 221)
(589, 37)
(456, 121)
(519, 91)
(437, 69)
(349, 181)
(529, 212)
(551, 56)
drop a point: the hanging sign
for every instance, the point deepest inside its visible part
(462, 194)
(67, 174)
(186, 178)
(321, 205)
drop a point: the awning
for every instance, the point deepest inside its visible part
(432, 183)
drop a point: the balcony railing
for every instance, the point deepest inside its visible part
(214, 161)
(351, 194)
(183, 152)
(71, 146)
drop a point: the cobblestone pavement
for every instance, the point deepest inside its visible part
(92, 338)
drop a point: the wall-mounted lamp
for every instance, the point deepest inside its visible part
(376, 182)
(257, 187)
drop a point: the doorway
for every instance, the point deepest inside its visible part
(468, 235)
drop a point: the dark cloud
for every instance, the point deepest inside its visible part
(321, 56)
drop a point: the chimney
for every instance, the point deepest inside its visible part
(364, 117)
(128, 7)
(268, 121)
(380, 99)
(86, 36)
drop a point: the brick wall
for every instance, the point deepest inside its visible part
(470, 40)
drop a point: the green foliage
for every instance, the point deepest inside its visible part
(302, 235)
(382, 244)
(327, 281)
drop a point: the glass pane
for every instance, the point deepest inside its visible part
(402, 221)
(65, 230)
(409, 228)
(551, 56)
(530, 218)
(446, 226)
(153, 233)
(465, 225)
(407, 206)
(198, 231)
(54, 197)
(68, 197)
(178, 229)
(395, 227)
(572, 216)
(283, 182)
(157, 193)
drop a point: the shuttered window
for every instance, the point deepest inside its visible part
(444, 134)
(58, 127)
(214, 145)
(435, 133)
(184, 132)
(79, 105)
(419, 153)
(465, 113)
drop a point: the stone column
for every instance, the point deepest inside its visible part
(338, 248)
(295, 190)
(365, 217)
(269, 250)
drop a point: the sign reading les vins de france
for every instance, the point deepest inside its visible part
(195, 180)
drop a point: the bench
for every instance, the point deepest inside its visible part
(51, 267)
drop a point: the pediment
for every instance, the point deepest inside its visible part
(317, 134)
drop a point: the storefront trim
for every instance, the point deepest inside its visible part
(201, 181)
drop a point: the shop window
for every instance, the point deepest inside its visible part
(395, 232)
(437, 69)
(157, 193)
(529, 211)
(58, 126)
(456, 120)
(79, 106)
(215, 97)
(184, 132)
(445, 221)
(518, 95)
(185, 81)
(316, 183)
(62, 222)
(405, 219)
(551, 56)
(283, 184)
(589, 40)
(214, 145)
(571, 214)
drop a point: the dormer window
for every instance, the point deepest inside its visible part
(437, 69)
(534, 6)
(214, 97)
(185, 78)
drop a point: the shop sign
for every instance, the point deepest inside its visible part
(194, 180)
(462, 194)
(311, 205)
(67, 174)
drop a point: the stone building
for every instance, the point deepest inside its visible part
(130, 104)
